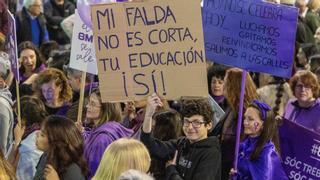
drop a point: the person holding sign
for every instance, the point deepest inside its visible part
(106, 118)
(30, 59)
(195, 156)
(306, 108)
(258, 156)
(227, 126)
(122, 155)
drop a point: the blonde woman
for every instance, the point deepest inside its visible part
(122, 155)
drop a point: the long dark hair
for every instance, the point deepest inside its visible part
(29, 45)
(66, 144)
(268, 133)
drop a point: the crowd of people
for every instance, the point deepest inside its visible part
(147, 139)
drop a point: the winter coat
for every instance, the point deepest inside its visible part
(6, 120)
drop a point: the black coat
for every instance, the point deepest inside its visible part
(23, 25)
(200, 160)
(55, 15)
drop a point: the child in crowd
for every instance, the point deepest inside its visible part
(258, 157)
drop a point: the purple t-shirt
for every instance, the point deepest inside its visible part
(41, 68)
(307, 117)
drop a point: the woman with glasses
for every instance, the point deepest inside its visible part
(31, 23)
(305, 109)
(258, 156)
(106, 118)
(195, 156)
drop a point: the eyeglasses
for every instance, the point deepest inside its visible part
(301, 86)
(195, 124)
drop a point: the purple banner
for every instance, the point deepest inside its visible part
(11, 45)
(250, 34)
(300, 149)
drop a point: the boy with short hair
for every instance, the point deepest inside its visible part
(196, 156)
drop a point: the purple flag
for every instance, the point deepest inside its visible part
(11, 45)
(250, 34)
(300, 149)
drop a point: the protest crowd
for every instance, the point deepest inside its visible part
(44, 136)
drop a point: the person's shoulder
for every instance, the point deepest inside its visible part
(73, 172)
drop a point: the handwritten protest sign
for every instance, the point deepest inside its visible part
(82, 56)
(11, 45)
(152, 46)
(300, 149)
(251, 35)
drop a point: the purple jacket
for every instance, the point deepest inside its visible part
(99, 139)
(307, 117)
(267, 166)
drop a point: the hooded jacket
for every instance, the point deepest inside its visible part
(6, 120)
(199, 160)
(97, 141)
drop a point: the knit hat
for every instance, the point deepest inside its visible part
(4, 65)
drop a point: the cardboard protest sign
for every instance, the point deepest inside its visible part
(82, 56)
(249, 34)
(11, 45)
(300, 149)
(151, 46)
